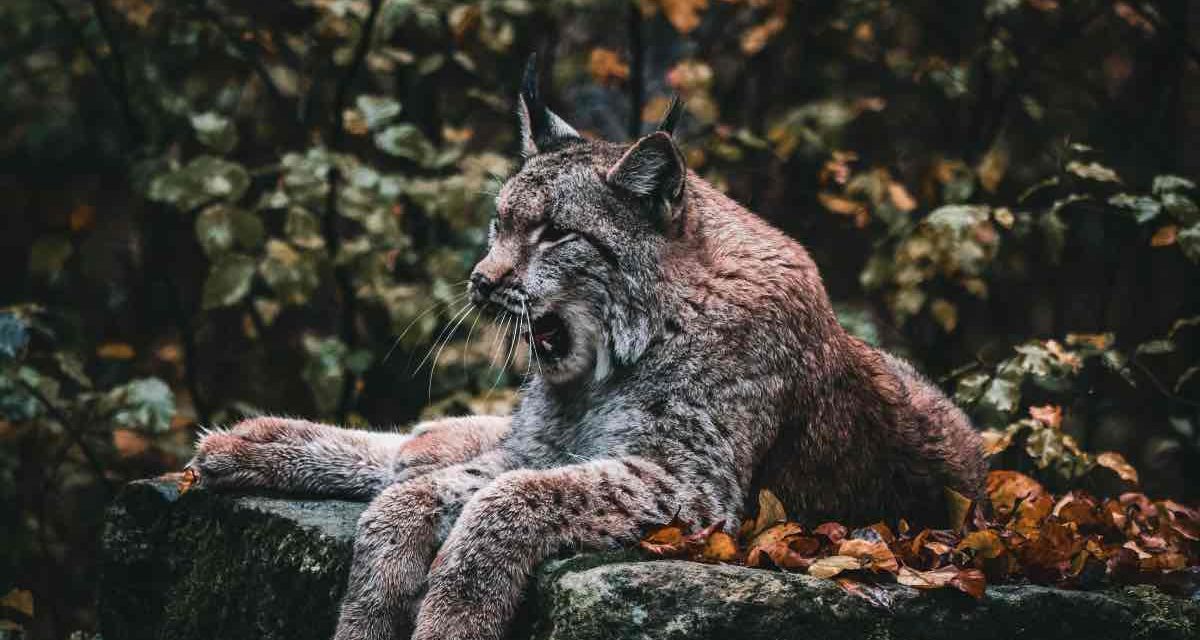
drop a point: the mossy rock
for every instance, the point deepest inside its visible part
(207, 566)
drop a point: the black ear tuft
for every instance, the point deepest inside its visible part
(540, 127)
(651, 168)
(671, 117)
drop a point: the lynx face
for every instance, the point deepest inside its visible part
(562, 249)
(573, 249)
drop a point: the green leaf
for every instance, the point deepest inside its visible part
(14, 335)
(970, 387)
(1155, 347)
(1093, 171)
(215, 131)
(48, 256)
(377, 110)
(303, 229)
(205, 179)
(1002, 396)
(959, 218)
(146, 404)
(1143, 208)
(291, 274)
(1181, 207)
(1188, 240)
(324, 370)
(228, 281)
(220, 227)
(405, 141)
(1169, 183)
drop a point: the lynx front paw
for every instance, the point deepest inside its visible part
(259, 453)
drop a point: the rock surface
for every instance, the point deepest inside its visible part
(208, 566)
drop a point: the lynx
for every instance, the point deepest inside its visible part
(686, 354)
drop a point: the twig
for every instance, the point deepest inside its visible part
(118, 58)
(1162, 388)
(636, 64)
(249, 52)
(70, 427)
(329, 223)
(115, 86)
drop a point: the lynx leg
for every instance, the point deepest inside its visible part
(298, 456)
(525, 516)
(395, 542)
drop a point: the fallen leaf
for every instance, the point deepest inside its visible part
(875, 556)
(833, 531)
(1116, 462)
(1031, 513)
(957, 507)
(770, 511)
(720, 547)
(982, 544)
(664, 540)
(872, 593)
(833, 565)
(1005, 488)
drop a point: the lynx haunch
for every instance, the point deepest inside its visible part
(687, 356)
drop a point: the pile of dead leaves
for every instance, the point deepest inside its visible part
(1027, 535)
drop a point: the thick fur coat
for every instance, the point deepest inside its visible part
(685, 355)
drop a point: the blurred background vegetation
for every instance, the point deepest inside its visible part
(213, 209)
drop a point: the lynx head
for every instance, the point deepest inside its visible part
(573, 251)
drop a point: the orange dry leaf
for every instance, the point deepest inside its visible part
(1094, 340)
(982, 544)
(1031, 513)
(115, 351)
(606, 66)
(900, 197)
(1062, 355)
(82, 217)
(1116, 462)
(1165, 236)
(957, 507)
(1005, 488)
(846, 207)
(1049, 415)
(665, 540)
(833, 565)
(757, 37)
(770, 511)
(832, 530)
(720, 547)
(184, 480)
(1079, 508)
(875, 556)
(684, 15)
(969, 581)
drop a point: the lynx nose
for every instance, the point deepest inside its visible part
(481, 288)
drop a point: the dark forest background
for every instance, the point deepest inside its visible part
(213, 209)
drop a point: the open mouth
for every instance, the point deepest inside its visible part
(551, 340)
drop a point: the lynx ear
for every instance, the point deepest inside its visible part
(540, 127)
(671, 117)
(651, 168)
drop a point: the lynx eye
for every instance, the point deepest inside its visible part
(550, 233)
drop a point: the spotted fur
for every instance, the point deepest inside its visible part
(702, 362)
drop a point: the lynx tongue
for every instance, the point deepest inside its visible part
(550, 336)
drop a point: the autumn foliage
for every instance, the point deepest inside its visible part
(1021, 533)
